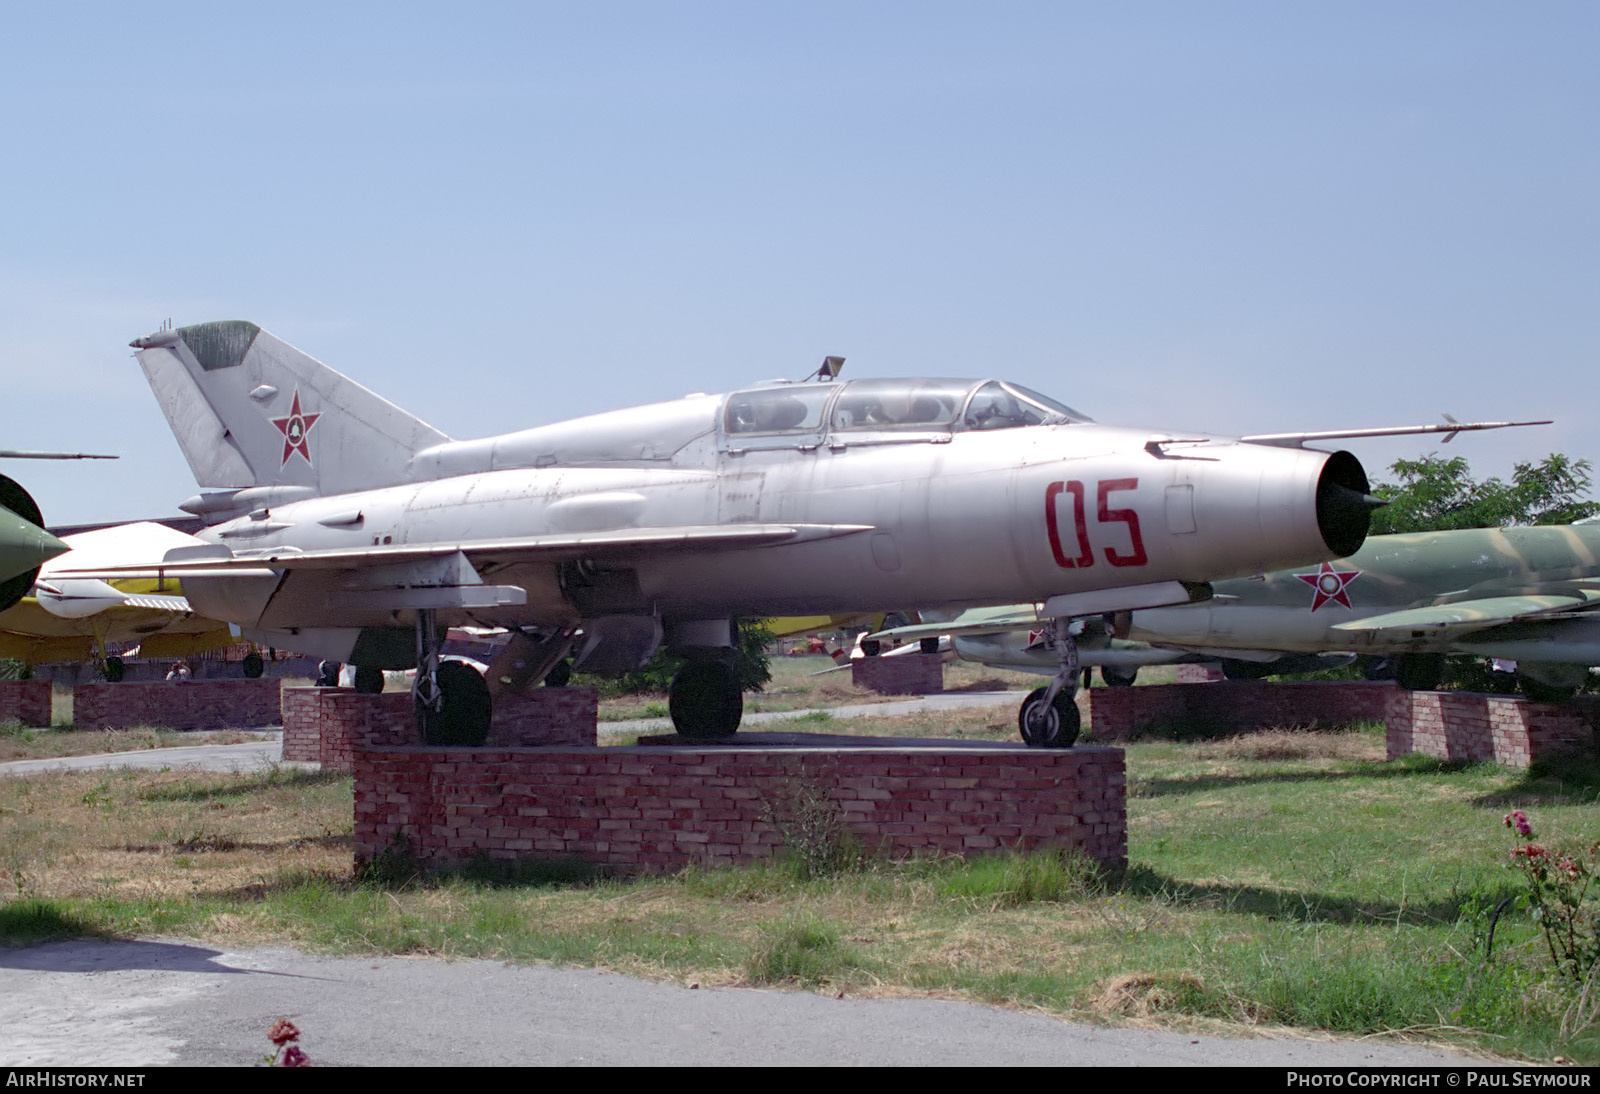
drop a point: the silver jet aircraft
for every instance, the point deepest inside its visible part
(347, 529)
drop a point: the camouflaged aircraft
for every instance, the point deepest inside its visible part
(348, 529)
(1528, 595)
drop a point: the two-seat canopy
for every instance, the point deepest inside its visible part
(894, 406)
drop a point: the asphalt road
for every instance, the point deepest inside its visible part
(152, 1002)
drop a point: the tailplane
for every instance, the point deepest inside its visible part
(248, 409)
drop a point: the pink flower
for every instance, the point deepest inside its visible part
(283, 1031)
(294, 1057)
(1519, 820)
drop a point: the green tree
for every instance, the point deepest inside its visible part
(1436, 494)
(751, 664)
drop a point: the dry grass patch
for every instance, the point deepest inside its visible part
(144, 835)
(981, 724)
(1144, 996)
(1292, 744)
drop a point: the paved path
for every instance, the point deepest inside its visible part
(254, 755)
(150, 1002)
(249, 756)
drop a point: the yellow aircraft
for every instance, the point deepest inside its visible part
(78, 618)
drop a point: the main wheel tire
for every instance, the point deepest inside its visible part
(462, 720)
(114, 670)
(253, 665)
(328, 674)
(1419, 671)
(369, 681)
(1245, 670)
(1114, 677)
(1057, 726)
(559, 676)
(705, 701)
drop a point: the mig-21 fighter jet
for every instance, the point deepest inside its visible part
(345, 528)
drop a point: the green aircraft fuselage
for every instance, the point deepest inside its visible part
(1531, 595)
(1524, 593)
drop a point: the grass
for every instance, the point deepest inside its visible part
(1276, 880)
(797, 685)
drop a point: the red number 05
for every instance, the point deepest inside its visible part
(1104, 514)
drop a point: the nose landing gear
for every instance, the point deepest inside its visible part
(1049, 715)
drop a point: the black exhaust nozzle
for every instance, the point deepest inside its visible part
(1344, 504)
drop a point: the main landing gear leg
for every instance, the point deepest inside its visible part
(1049, 715)
(452, 699)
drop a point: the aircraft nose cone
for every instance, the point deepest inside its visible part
(23, 546)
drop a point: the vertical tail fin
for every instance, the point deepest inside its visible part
(248, 409)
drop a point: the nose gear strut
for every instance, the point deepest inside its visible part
(1049, 715)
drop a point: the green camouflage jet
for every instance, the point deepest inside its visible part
(24, 544)
(1528, 595)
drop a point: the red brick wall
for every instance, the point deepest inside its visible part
(665, 808)
(1469, 728)
(907, 674)
(189, 704)
(28, 701)
(1116, 713)
(325, 725)
(546, 716)
(1199, 674)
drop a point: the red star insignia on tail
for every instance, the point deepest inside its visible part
(294, 429)
(1329, 584)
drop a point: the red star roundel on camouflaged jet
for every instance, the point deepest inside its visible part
(294, 429)
(1329, 584)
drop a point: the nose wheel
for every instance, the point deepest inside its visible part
(1048, 724)
(1049, 715)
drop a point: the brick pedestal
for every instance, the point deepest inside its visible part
(27, 701)
(327, 725)
(650, 808)
(1468, 728)
(1116, 713)
(189, 704)
(906, 674)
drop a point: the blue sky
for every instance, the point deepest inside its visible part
(1240, 217)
